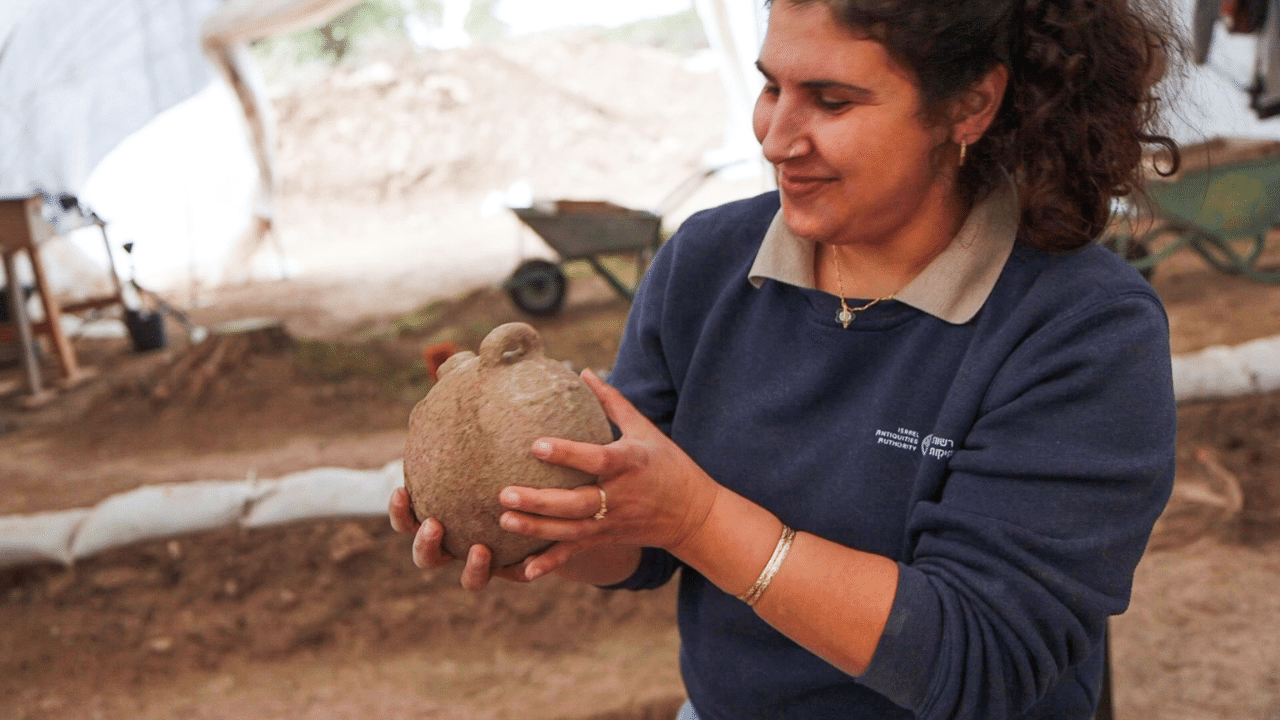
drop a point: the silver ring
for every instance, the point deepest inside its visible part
(604, 505)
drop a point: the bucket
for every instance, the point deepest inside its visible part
(146, 329)
(6, 316)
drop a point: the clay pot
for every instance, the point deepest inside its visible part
(470, 437)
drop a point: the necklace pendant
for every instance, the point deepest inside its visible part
(844, 317)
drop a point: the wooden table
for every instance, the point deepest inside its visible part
(24, 229)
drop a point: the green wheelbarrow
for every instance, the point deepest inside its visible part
(589, 230)
(1221, 204)
(581, 230)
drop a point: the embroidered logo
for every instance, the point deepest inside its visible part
(937, 447)
(931, 446)
(901, 438)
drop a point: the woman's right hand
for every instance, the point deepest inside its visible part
(427, 552)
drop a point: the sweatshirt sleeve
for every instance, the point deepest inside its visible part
(642, 375)
(1046, 510)
(641, 371)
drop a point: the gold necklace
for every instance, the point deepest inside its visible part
(848, 314)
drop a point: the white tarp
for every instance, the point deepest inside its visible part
(10, 11)
(78, 76)
(182, 191)
(226, 37)
(735, 30)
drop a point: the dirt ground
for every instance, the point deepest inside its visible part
(327, 620)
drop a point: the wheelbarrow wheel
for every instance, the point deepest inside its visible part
(537, 287)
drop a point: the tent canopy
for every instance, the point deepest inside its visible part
(78, 76)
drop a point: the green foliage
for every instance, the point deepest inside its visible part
(335, 361)
(681, 33)
(419, 320)
(382, 23)
(384, 365)
(347, 31)
(429, 10)
(481, 24)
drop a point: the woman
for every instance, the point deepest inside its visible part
(904, 427)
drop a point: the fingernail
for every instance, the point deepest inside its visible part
(541, 448)
(507, 522)
(532, 573)
(510, 498)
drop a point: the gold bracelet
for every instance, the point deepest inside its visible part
(753, 593)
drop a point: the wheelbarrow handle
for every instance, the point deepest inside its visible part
(689, 186)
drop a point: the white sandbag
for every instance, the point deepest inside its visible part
(37, 538)
(1212, 372)
(159, 511)
(1223, 372)
(393, 475)
(1261, 358)
(323, 492)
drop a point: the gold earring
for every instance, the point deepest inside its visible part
(964, 147)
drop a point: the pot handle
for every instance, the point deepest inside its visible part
(509, 344)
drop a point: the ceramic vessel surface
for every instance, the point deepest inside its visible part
(470, 437)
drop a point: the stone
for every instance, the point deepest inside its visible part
(350, 540)
(114, 578)
(471, 436)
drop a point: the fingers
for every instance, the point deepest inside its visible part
(552, 528)
(602, 460)
(401, 513)
(535, 566)
(550, 561)
(476, 574)
(599, 460)
(427, 552)
(579, 503)
(512, 573)
(616, 406)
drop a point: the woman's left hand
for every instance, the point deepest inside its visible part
(655, 494)
(428, 554)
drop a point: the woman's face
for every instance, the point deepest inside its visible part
(841, 123)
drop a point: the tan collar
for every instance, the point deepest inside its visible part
(952, 287)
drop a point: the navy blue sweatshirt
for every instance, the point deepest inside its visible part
(1013, 465)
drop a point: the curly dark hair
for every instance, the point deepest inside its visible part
(1078, 111)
